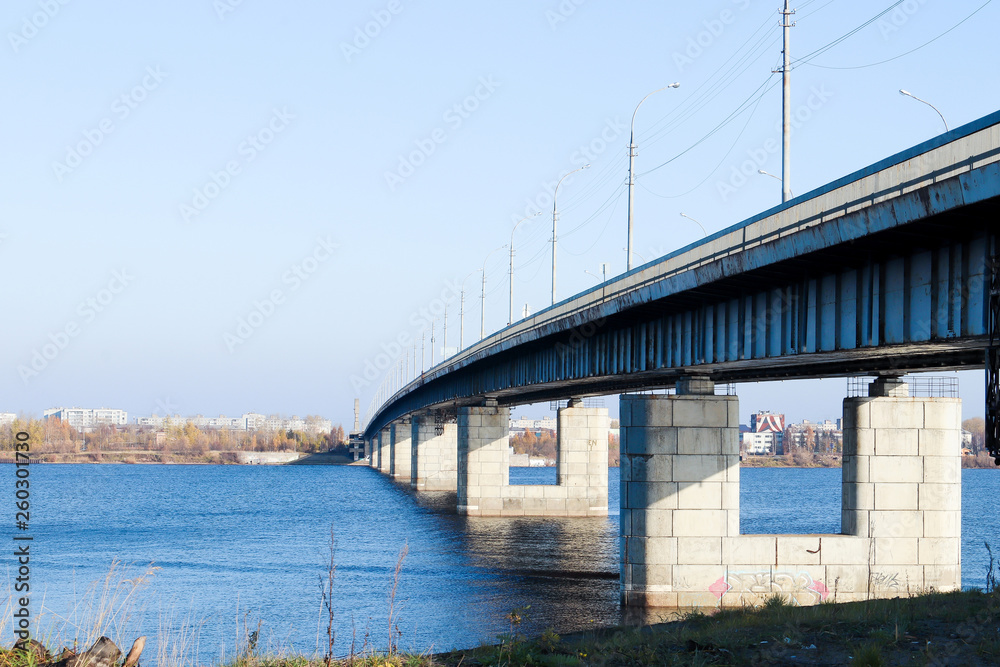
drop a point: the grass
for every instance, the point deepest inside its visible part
(942, 628)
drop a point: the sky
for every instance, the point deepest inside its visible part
(222, 206)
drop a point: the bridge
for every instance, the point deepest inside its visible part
(884, 272)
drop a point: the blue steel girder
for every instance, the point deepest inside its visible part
(896, 281)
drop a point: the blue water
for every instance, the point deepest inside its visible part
(240, 544)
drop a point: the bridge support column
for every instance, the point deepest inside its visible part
(483, 460)
(400, 455)
(383, 450)
(434, 453)
(582, 458)
(902, 491)
(368, 452)
(680, 486)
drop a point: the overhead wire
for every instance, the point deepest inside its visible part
(723, 159)
(826, 47)
(716, 83)
(901, 55)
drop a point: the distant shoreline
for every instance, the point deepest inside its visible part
(326, 458)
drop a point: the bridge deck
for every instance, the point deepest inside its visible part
(910, 233)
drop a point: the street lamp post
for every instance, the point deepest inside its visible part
(461, 315)
(604, 272)
(909, 94)
(685, 215)
(555, 219)
(631, 172)
(777, 178)
(510, 272)
(482, 297)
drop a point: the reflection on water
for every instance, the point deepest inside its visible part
(232, 540)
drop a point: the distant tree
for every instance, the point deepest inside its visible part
(977, 427)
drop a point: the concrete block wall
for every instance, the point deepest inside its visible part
(383, 450)
(680, 536)
(484, 487)
(582, 458)
(680, 482)
(902, 486)
(483, 460)
(400, 456)
(434, 453)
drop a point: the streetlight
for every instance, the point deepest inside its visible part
(640, 256)
(482, 298)
(777, 178)
(461, 314)
(631, 172)
(604, 271)
(510, 272)
(909, 94)
(685, 215)
(555, 218)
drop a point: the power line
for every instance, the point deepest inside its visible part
(723, 159)
(823, 49)
(728, 119)
(888, 60)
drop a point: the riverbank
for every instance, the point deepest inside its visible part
(941, 629)
(809, 460)
(959, 628)
(176, 458)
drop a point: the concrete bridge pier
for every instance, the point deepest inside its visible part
(582, 458)
(902, 491)
(400, 455)
(368, 452)
(680, 539)
(680, 485)
(383, 449)
(434, 453)
(484, 487)
(483, 460)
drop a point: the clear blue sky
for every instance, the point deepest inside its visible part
(186, 164)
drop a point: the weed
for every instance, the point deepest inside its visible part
(326, 595)
(991, 573)
(394, 631)
(869, 655)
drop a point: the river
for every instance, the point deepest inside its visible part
(242, 545)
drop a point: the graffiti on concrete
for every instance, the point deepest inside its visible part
(798, 588)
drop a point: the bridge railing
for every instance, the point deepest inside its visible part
(924, 386)
(947, 155)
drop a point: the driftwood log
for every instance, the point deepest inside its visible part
(103, 653)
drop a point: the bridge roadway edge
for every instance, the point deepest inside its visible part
(465, 381)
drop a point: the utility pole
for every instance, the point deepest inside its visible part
(786, 107)
(631, 174)
(433, 322)
(444, 354)
(555, 220)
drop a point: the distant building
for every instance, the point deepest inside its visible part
(7, 418)
(767, 434)
(87, 419)
(758, 443)
(826, 434)
(522, 424)
(249, 421)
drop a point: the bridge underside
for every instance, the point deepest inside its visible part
(909, 298)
